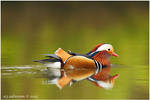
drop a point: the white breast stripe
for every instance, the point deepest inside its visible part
(98, 67)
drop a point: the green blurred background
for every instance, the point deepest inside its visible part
(33, 28)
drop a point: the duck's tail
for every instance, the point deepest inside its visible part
(56, 61)
(53, 61)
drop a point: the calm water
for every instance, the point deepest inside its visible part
(32, 81)
(33, 28)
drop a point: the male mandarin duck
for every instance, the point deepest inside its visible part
(102, 53)
(94, 66)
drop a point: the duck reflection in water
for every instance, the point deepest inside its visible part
(68, 67)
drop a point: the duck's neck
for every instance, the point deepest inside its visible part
(103, 58)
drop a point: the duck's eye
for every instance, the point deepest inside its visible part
(108, 49)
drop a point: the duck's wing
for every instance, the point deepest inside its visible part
(73, 53)
(77, 54)
(47, 60)
(51, 56)
(53, 61)
(62, 54)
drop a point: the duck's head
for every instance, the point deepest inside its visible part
(103, 48)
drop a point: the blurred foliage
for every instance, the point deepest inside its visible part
(33, 28)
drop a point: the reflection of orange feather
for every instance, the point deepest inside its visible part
(103, 75)
(64, 80)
